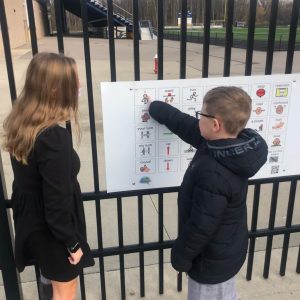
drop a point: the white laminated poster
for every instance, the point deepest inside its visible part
(142, 154)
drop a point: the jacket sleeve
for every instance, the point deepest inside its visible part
(183, 125)
(54, 156)
(205, 218)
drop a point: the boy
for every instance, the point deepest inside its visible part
(213, 235)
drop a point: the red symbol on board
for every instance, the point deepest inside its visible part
(276, 142)
(279, 109)
(260, 92)
(168, 166)
(168, 150)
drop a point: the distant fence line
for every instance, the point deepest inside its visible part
(218, 39)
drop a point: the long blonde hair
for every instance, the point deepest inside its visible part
(49, 96)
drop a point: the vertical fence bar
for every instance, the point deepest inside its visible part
(32, 28)
(160, 240)
(288, 223)
(206, 38)
(100, 246)
(229, 37)
(60, 40)
(298, 262)
(90, 93)
(11, 280)
(113, 77)
(121, 244)
(141, 243)
(292, 37)
(271, 37)
(179, 276)
(83, 6)
(271, 226)
(38, 279)
(253, 229)
(110, 21)
(82, 286)
(160, 37)
(59, 26)
(179, 282)
(7, 52)
(93, 140)
(183, 39)
(136, 38)
(63, 18)
(250, 38)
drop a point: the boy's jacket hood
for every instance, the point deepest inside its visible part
(244, 155)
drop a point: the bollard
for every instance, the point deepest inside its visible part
(155, 64)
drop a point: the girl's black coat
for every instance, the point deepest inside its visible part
(47, 197)
(213, 236)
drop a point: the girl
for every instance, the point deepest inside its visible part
(47, 206)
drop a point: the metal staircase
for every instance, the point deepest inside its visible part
(146, 30)
(97, 13)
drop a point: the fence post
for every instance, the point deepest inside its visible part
(11, 279)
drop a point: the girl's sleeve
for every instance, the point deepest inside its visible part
(183, 125)
(54, 156)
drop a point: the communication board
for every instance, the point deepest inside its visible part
(140, 153)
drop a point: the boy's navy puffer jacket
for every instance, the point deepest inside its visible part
(213, 235)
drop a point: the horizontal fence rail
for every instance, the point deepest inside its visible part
(230, 39)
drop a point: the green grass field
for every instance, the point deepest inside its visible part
(261, 33)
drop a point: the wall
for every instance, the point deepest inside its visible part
(17, 23)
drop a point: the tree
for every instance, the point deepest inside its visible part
(262, 13)
(148, 10)
(241, 10)
(284, 13)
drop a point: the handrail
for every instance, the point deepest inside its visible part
(147, 24)
(150, 29)
(117, 9)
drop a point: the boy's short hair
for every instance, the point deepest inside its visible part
(231, 104)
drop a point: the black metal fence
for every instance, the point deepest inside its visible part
(10, 276)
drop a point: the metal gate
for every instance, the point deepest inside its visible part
(10, 276)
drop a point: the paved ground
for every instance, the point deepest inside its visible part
(258, 288)
(275, 288)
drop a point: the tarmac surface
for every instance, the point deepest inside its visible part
(276, 287)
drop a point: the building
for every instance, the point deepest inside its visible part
(18, 23)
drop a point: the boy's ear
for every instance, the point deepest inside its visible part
(216, 125)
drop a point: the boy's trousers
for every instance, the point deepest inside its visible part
(222, 291)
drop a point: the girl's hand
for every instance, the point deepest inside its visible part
(75, 258)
